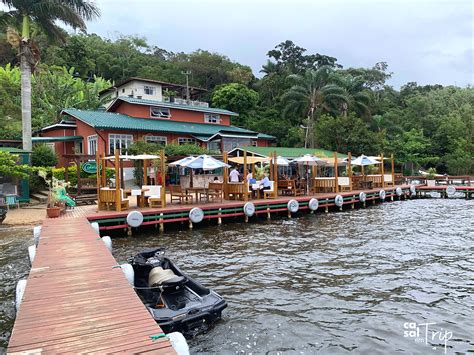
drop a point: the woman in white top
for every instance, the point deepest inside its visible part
(234, 175)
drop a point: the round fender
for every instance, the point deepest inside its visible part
(95, 226)
(293, 206)
(362, 197)
(249, 209)
(338, 200)
(382, 195)
(129, 273)
(135, 219)
(313, 204)
(450, 190)
(36, 234)
(108, 242)
(179, 343)
(20, 290)
(31, 253)
(398, 191)
(412, 190)
(196, 215)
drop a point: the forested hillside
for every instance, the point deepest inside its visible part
(300, 97)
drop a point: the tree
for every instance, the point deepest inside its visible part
(43, 155)
(312, 94)
(9, 166)
(42, 14)
(356, 97)
(235, 97)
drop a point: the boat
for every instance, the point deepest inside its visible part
(3, 213)
(177, 302)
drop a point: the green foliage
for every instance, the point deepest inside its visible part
(9, 166)
(60, 174)
(185, 149)
(43, 155)
(236, 97)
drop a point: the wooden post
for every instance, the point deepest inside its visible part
(246, 185)
(271, 166)
(98, 179)
(118, 198)
(349, 170)
(253, 167)
(163, 179)
(103, 175)
(275, 181)
(393, 170)
(382, 171)
(225, 177)
(78, 172)
(145, 172)
(336, 183)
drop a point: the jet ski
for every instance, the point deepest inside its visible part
(176, 301)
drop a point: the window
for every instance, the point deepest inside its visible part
(254, 144)
(119, 141)
(123, 90)
(78, 149)
(149, 90)
(214, 146)
(156, 139)
(92, 145)
(212, 118)
(159, 112)
(183, 140)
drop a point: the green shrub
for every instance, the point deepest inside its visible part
(185, 149)
(43, 155)
(59, 173)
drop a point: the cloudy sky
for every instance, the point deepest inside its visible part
(424, 41)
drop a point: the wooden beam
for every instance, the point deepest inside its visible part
(382, 170)
(163, 178)
(118, 198)
(98, 176)
(78, 172)
(225, 177)
(349, 169)
(275, 182)
(393, 170)
(145, 172)
(246, 187)
(336, 182)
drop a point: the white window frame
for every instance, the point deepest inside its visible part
(92, 143)
(146, 88)
(78, 147)
(255, 143)
(125, 140)
(186, 140)
(214, 118)
(156, 139)
(161, 115)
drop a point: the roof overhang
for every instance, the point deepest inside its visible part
(56, 139)
(59, 125)
(224, 135)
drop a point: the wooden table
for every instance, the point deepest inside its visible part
(140, 198)
(196, 191)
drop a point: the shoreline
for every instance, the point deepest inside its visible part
(24, 217)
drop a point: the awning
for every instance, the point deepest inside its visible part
(250, 160)
(56, 139)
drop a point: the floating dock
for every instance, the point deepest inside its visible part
(77, 299)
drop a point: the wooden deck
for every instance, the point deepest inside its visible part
(78, 301)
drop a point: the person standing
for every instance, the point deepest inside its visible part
(234, 175)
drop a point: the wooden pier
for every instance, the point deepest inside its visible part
(77, 299)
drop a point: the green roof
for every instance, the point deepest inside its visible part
(134, 100)
(293, 152)
(110, 120)
(56, 139)
(13, 150)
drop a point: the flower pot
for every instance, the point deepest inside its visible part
(53, 212)
(430, 182)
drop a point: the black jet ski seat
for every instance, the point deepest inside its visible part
(165, 279)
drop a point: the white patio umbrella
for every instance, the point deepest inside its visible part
(180, 162)
(308, 160)
(282, 161)
(364, 161)
(205, 162)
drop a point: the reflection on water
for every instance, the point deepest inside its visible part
(324, 283)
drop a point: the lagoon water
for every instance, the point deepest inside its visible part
(326, 283)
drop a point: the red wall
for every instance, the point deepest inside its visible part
(143, 111)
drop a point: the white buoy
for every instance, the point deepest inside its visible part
(313, 204)
(108, 242)
(129, 273)
(398, 191)
(249, 209)
(36, 234)
(20, 290)
(95, 226)
(31, 253)
(293, 206)
(382, 195)
(450, 190)
(196, 215)
(339, 200)
(135, 219)
(362, 197)
(179, 343)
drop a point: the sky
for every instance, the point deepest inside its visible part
(430, 42)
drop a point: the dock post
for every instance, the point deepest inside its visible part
(162, 225)
(353, 200)
(129, 231)
(219, 219)
(326, 210)
(268, 213)
(289, 214)
(190, 224)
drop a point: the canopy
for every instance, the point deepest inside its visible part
(134, 157)
(330, 161)
(282, 161)
(205, 162)
(364, 160)
(250, 160)
(308, 159)
(180, 162)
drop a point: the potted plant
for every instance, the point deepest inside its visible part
(52, 209)
(430, 177)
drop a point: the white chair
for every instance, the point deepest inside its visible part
(270, 193)
(387, 178)
(343, 182)
(153, 192)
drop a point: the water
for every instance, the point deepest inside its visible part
(325, 283)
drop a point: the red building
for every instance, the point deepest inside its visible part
(145, 117)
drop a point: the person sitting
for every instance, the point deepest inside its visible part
(249, 177)
(234, 175)
(62, 195)
(216, 179)
(265, 182)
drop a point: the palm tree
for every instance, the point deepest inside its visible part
(356, 97)
(43, 15)
(312, 93)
